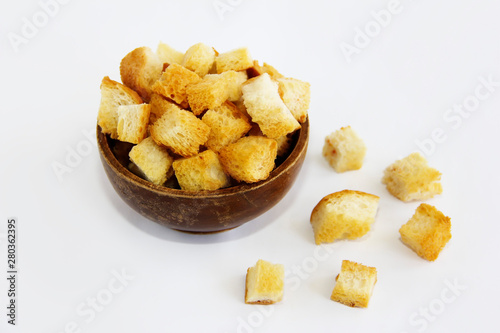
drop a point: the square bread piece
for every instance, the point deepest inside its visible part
(236, 60)
(133, 122)
(208, 93)
(412, 179)
(168, 55)
(250, 159)
(344, 150)
(140, 69)
(152, 160)
(355, 283)
(199, 58)
(201, 172)
(173, 83)
(427, 232)
(266, 107)
(180, 131)
(296, 95)
(234, 82)
(113, 94)
(264, 283)
(159, 105)
(343, 215)
(227, 124)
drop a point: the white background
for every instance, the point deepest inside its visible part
(76, 235)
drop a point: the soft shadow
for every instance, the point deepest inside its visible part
(161, 232)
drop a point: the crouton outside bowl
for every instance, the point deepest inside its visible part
(203, 211)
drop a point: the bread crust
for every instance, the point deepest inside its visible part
(346, 214)
(412, 179)
(265, 106)
(354, 285)
(114, 94)
(250, 159)
(140, 69)
(427, 232)
(267, 285)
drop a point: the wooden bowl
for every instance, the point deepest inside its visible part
(204, 211)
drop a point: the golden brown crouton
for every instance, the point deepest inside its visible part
(152, 160)
(173, 83)
(250, 159)
(412, 179)
(227, 124)
(140, 69)
(180, 131)
(427, 232)
(343, 215)
(264, 283)
(201, 172)
(355, 283)
(344, 150)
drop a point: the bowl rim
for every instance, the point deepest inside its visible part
(105, 151)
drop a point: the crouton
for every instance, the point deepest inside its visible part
(168, 55)
(227, 124)
(250, 159)
(344, 150)
(180, 131)
(412, 179)
(427, 232)
(140, 69)
(354, 285)
(266, 108)
(296, 95)
(133, 122)
(235, 60)
(264, 283)
(153, 161)
(343, 215)
(114, 94)
(201, 172)
(208, 93)
(173, 83)
(199, 58)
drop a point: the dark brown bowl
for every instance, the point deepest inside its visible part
(204, 211)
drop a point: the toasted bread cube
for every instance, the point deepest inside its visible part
(234, 82)
(173, 83)
(344, 150)
(296, 95)
(159, 105)
(140, 69)
(152, 160)
(257, 70)
(343, 215)
(264, 283)
(235, 60)
(354, 285)
(227, 124)
(114, 94)
(250, 159)
(199, 58)
(427, 232)
(133, 122)
(284, 142)
(266, 108)
(180, 131)
(168, 55)
(201, 172)
(412, 179)
(208, 93)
